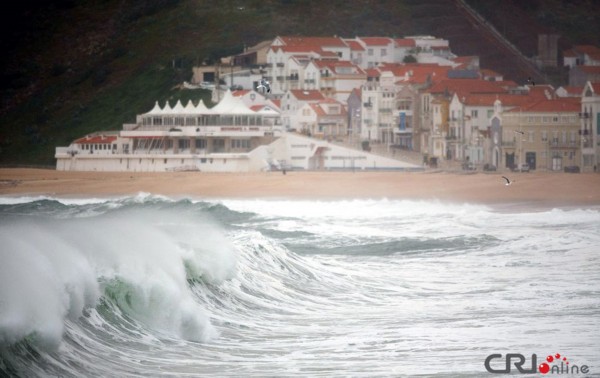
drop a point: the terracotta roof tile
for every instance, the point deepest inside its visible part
(466, 86)
(405, 42)
(373, 72)
(317, 109)
(354, 45)
(573, 89)
(563, 105)
(376, 41)
(586, 49)
(590, 70)
(307, 95)
(505, 99)
(596, 88)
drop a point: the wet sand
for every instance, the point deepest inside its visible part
(529, 189)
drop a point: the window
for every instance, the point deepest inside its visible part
(370, 52)
(240, 143)
(184, 144)
(544, 136)
(474, 113)
(383, 52)
(530, 136)
(201, 143)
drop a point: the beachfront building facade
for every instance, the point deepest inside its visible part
(590, 127)
(190, 137)
(544, 135)
(292, 101)
(299, 152)
(229, 137)
(325, 119)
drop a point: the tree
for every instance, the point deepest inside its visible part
(409, 59)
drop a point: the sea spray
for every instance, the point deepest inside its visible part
(53, 268)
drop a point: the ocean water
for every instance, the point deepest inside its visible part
(155, 286)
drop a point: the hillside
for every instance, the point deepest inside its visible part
(74, 67)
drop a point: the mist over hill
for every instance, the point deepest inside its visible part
(74, 67)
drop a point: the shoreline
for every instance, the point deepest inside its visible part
(534, 189)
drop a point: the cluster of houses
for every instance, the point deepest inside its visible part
(408, 94)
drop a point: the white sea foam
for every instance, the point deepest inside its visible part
(52, 268)
(386, 288)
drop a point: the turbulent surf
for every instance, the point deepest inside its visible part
(155, 286)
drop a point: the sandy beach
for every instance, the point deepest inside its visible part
(528, 189)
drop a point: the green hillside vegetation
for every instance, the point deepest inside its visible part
(72, 67)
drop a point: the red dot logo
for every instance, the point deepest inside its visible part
(544, 368)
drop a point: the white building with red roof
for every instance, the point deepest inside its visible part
(377, 50)
(335, 79)
(325, 119)
(357, 51)
(292, 101)
(404, 47)
(289, 57)
(254, 99)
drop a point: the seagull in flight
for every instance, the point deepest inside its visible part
(508, 182)
(519, 132)
(265, 85)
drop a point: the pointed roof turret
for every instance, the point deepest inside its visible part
(167, 109)
(190, 108)
(231, 105)
(202, 109)
(155, 110)
(178, 108)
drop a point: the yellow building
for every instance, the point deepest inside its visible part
(544, 135)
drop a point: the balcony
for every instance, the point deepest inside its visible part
(309, 81)
(385, 110)
(280, 64)
(557, 144)
(279, 78)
